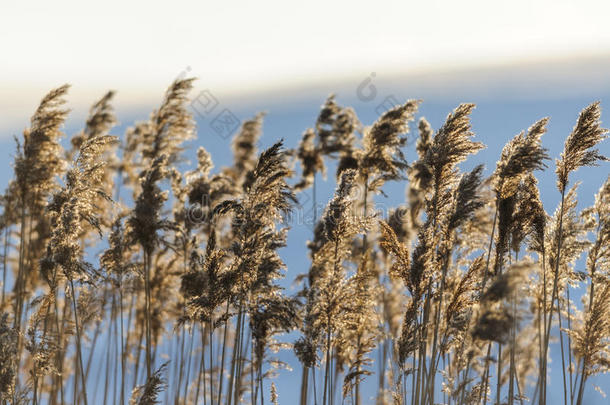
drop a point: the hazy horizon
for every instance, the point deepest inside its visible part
(536, 79)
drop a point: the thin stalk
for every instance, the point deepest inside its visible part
(542, 361)
(499, 382)
(313, 379)
(511, 384)
(563, 363)
(222, 358)
(200, 372)
(315, 203)
(446, 360)
(115, 362)
(211, 331)
(78, 341)
(59, 357)
(203, 344)
(483, 284)
(107, 367)
(485, 379)
(130, 312)
(327, 369)
(243, 353)
(35, 381)
(304, 385)
(413, 371)
(180, 369)
(174, 373)
(383, 353)
(236, 345)
(424, 343)
(581, 387)
(304, 395)
(180, 366)
(518, 388)
(420, 361)
(253, 392)
(240, 359)
(122, 400)
(583, 375)
(188, 365)
(260, 380)
(437, 321)
(553, 295)
(569, 344)
(332, 378)
(139, 351)
(19, 290)
(4, 264)
(425, 384)
(44, 335)
(327, 386)
(148, 321)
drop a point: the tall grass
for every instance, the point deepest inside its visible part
(172, 293)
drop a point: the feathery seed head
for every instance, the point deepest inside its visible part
(578, 149)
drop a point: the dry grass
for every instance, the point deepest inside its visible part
(454, 297)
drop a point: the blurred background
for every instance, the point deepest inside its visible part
(518, 61)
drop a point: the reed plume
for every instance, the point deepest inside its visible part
(99, 122)
(578, 149)
(245, 147)
(311, 160)
(71, 208)
(169, 126)
(256, 264)
(38, 163)
(382, 158)
(147, 394)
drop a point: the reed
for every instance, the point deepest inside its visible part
(172, 272)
